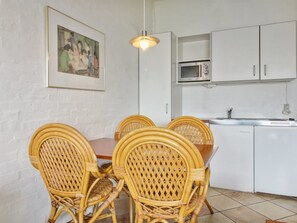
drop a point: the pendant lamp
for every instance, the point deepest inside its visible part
(144, 41)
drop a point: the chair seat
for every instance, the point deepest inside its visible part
(196, 199)
(101, 189)
(105, 166)
(166, 212)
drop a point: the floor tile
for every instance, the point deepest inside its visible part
(223, 191)
(205, 210)
(292, 219)
(123, 218)
(274, 221)
(287, 203)
(120, 219)
(245, 198)
(123, 194)
(214, 218)
(269, 196)
(271, 210)
(228, 206)
(122, 206)
(244, 215)
(212, 192)
(222, 202)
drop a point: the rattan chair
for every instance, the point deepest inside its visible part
(127, 125)
(192, 128)
(131, 123)
(164, 172)
(196, 131)
(69, 170)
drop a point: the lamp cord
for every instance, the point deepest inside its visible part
(143, 16)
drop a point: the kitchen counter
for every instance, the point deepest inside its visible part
(253, 121)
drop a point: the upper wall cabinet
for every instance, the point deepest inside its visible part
(278, 51)
(254, 53)
(235, 54)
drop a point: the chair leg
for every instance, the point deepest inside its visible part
(113, 213)
(52, 215)
(139, 219)
(193, 219)
(81, 217)
(207, 172)
(208, 206)
(131, 209)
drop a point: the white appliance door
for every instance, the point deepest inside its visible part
(275, 160)
(232, 165)
(155, 81)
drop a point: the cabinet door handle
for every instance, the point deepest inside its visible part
(166, 108)
(265, 69)
(254, 70)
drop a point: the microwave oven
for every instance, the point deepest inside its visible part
(194, 71)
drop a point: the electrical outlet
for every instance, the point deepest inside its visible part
(286, 109)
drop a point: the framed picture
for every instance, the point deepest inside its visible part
(75, 53)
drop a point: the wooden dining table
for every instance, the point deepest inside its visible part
(104, 148)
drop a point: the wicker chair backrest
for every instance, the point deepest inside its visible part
(131, 123)
(64, 158)
(193, 129)
(157, 165)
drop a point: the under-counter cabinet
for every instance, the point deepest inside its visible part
(232, 165)
(159, 95)
(275, 160)
(265, 52)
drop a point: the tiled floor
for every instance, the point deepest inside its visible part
(240, 207)
(234, 207)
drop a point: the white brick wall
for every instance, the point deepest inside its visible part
(25, 102)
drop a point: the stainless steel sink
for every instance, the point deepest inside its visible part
(254, 121)
(269, 119)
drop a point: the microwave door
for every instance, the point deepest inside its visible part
(189, 73)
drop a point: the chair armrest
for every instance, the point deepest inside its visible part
(95, 170)
(90, 190)
(114, 194)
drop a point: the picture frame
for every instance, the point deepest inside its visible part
(75, 55)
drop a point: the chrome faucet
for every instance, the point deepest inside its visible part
(229, 113)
